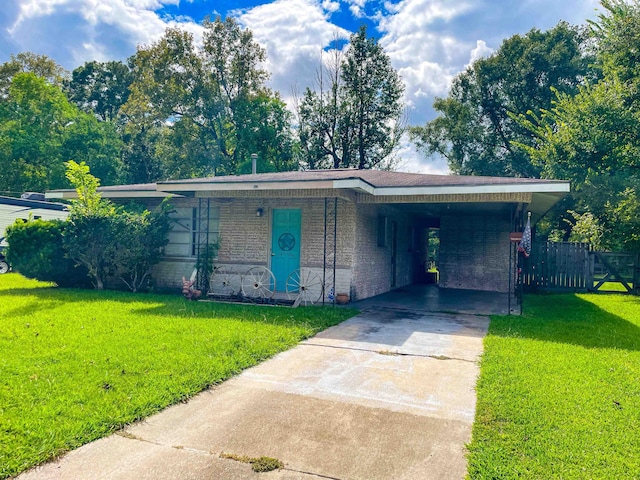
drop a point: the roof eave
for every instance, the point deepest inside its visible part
(192, 187)
(551, 187)
(361, 186)
(116, 194)
(542, 202)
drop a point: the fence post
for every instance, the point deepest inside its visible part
(592, 270)
(636, 275)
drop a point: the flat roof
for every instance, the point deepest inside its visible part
(375, 178)
(23, 202)
(373, 182)
(382, 185)
(137, 190)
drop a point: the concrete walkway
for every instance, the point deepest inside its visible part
(388, 394)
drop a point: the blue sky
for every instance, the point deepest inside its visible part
(429, 41)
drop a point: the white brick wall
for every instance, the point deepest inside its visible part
(245, 239)
(372, 264)
(474, 252)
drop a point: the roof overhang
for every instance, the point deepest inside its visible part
(111, 193)
(361, 186)
(537, 196)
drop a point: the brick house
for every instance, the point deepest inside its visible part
(359, 232)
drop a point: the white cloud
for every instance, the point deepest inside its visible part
(481, 51)
(357, 7)
(295, 34)
(76, 31)
(425, 54)
(413, 161)
(330, 6)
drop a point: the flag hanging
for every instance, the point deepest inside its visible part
(525, 243)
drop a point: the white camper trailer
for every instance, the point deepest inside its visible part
(30, 206)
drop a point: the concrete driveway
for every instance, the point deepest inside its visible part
(388, 394)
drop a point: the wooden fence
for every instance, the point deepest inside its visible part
(575, 267)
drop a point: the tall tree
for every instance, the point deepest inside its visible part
(40, 65)
(373, 91)
(143, 157)
(100, 88)
(593, 137)
(40, 130)
(204, 96)
(475, 130)
(355, 116)
(263, 124)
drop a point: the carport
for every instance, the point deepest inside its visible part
(474, 219)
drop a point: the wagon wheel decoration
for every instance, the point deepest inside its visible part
(224, 281)
(258, 282)
(304, 287)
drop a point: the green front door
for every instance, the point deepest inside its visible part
(285, 244)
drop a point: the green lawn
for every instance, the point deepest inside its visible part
(613, 286)
(76, 365)
(559, 391)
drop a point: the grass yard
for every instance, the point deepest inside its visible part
(614, 286)
(77, 365)
(559, 391)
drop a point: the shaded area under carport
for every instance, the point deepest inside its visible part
(431, 298)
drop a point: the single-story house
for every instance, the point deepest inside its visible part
(357, 232)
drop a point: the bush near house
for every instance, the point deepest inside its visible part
(99, 240)
(35, 250)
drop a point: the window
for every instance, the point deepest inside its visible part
(382, 231)
(183, 237)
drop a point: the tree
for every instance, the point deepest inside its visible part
(109, 240)
(593, 137)
(475, 130)
(373, 92)
(357, 119)
(142, 155)
(40, 65)
(100, 88)
(40, 130)
(263, 125)
(93, 226)
(617, 36)
(208, 99)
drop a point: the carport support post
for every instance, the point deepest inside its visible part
(324, 255)
(327, 261)
(510, 275)
(335, 246)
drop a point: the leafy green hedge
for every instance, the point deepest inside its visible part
(36, 251)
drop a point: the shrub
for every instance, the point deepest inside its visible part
(142, 234)
(107, 239)
(36, 251)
